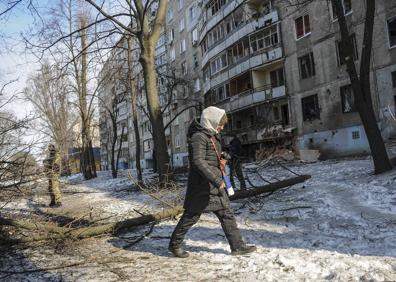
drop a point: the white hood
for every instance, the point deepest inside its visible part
(211, 117)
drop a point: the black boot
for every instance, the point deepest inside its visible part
(244, 249)
(178, 252)
(55, 205)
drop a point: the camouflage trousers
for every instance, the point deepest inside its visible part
(54, 190)
(236, 169)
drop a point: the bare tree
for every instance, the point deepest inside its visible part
(49, 92)
(132, 89)
(81, 68)
(145, 22)
(111, 105)
(17, 165)
(70, 38)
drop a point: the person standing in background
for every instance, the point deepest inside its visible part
(235, 150)
(52, 170)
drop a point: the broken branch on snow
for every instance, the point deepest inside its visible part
(55, 232)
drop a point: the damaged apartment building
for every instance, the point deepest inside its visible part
(321, 97)
(243, 63)
(277, 71)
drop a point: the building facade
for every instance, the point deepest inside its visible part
(184, 66)
(321, 97)
(275, 68)
(243, 63)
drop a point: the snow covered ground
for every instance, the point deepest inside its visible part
(340, 225)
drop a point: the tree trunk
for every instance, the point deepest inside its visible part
(137, 138)
(87, 163)
(241, 194)
(113, 145)
(131, 85)
(147, 61)
(92, 158)
(361, 85)
(118, 154)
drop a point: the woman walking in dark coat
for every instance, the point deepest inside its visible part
(206, 188)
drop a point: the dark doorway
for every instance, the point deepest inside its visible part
(285, 114)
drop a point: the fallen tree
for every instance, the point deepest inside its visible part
(55, 232)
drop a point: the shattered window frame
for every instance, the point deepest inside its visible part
(391, 32)
(347, 99)
(346, 7)
(277, 77)
(306, 65)
(340, 57)
(310, 108)
(393, 75)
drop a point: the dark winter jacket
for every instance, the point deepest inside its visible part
(205, 178)
(236, 147)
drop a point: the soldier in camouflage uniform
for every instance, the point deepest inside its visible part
(52, 169)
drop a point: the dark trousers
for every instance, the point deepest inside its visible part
(226, 218)
(236, 168)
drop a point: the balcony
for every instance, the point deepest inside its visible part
(231, 38)
(219, 16)
(252, 97)
(259, 59)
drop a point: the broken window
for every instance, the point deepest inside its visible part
(277, 78)
(146, 145)
(239, 124)
(252, 120)
(264, 39)
(395, 103)
(195, 60)
(227, 90)
(394, 79)
(342, 55)
(307, 66)
(346, 5)
(310, 108)
(220, 92)
(347, 99)
(302, 26)
(276, 113)
(392, 32)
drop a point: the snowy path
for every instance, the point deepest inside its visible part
(338, 226)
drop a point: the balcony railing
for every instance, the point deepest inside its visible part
(251, 97)
(264, 57)
(243, 30)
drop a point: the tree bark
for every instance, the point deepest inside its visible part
(150, 78)
(113, 143)
(87, 160)
(131, 87)
(118, 153)
(361, 85)
(241, 194)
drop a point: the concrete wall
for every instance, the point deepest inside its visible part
(332, 132)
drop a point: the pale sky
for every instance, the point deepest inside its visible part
(15, 63)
